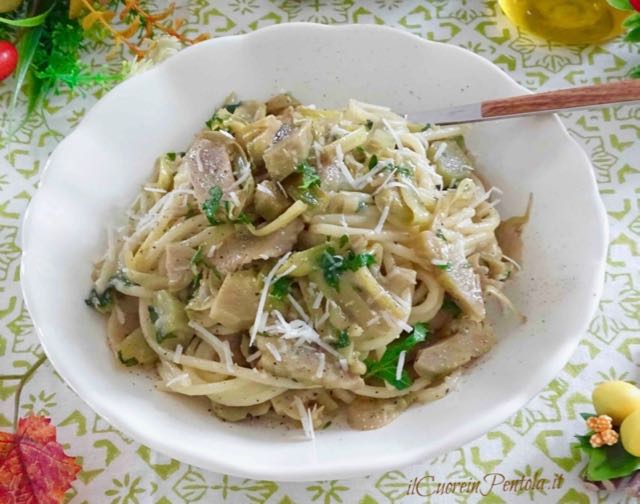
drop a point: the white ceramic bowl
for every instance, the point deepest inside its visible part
(96, 171)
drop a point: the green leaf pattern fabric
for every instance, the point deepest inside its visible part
(535, 441)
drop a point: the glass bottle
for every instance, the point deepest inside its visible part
(566, 21)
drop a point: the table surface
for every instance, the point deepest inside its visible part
(534, 443)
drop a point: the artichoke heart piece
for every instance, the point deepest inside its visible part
(258, 137)
(236, 304)
(283, 156)
(454, 272)
(462, 341)
(450, 160)
(134, 349)
(170, 320)
(270, 200)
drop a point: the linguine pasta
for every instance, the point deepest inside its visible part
(297, 261)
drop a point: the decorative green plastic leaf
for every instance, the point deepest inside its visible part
(29, 22)
(611, 462)
(620, 4)
(633, 35)
(607, 462)
(26, 49)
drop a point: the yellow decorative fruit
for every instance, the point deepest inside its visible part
(630, 433)
(618, 399)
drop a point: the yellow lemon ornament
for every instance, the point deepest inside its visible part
(618, 399)
(630, 433)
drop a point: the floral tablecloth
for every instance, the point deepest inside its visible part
(534, 444)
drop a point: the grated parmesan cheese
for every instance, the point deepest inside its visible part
(154, 189)
(383, 218)
(255, 355)
(222, 348)
(259, 321)
(274, 352)
(317, 301)
(182, 378)
(298, 308)
(305, 418)
(177, 356)
(234, 198)
(119, 314)
(400, 365)
(321, 363)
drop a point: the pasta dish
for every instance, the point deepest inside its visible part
(298, 262)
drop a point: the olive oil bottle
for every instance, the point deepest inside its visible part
(566, 21)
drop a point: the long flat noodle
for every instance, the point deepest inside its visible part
(385, 393)
(295, 210)
(209, 365)
(233, 392)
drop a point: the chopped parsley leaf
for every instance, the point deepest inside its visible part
(334, 265)
(385, 368)
(360, 150)
(354, 262)
(444, 267)
(131, 361)
(211, 205)
(373, 161)
(231, 108)
(344, 239)
(153, 314)
(198, 257)
(195, 284)
(310, 177)
(404, 170)
(343, 340)
(100, 302)
(441, 235)
(281, 287)
(369, 124)
(451, 306)
(171, 156)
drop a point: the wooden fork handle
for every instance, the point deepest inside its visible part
(581, 97)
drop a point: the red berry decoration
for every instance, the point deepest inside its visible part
(635, 4)
(8, 59)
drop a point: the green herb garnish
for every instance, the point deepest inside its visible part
(369, 124)
(131, 361)
(334, 265)
(198, 257)
(445, 267)
(171, 156)
(310, 177)
(231, 108)
(404, 170)
(344, 239)
(450, 306)
(211, 205)
(386, 367)
(195, 283)
(153, 314)
(343, 340)
(281, 288)
(373, 161)
(100, 302)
